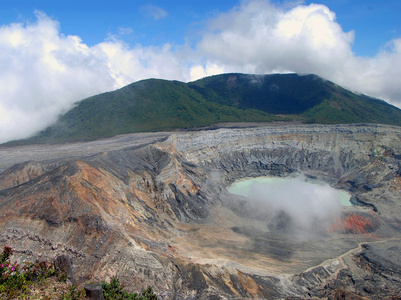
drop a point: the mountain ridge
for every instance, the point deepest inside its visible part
(162, 105)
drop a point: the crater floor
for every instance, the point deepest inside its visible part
(154, 209)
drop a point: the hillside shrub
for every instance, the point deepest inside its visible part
(17, 282)
(16, 279)
(115, 291)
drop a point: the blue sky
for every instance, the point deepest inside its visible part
(54, 53)
(374, 22)
(93, 21)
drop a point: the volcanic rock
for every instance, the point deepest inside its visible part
(153, 209)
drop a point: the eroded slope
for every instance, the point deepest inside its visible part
(160, 214)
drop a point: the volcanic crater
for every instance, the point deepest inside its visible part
(154, 209)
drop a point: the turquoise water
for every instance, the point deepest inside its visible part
(297, 185)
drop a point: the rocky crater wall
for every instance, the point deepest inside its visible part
(358, 158)
(158, 212)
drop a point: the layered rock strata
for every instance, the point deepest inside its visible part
(154, 210)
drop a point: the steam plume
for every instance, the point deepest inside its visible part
(295, 205)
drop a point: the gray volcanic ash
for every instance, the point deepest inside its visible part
(154, 209)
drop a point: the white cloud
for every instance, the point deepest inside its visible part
(377, 76)
(199, 71)
(43, 72)
(126, 65)
(153, 11)
(259, 37)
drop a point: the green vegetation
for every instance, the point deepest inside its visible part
(276, 94)
(158, 105)
(39, 280)
(16, 280)
(115, 291)
(150, 105)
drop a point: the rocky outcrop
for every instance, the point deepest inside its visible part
(159, 213)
